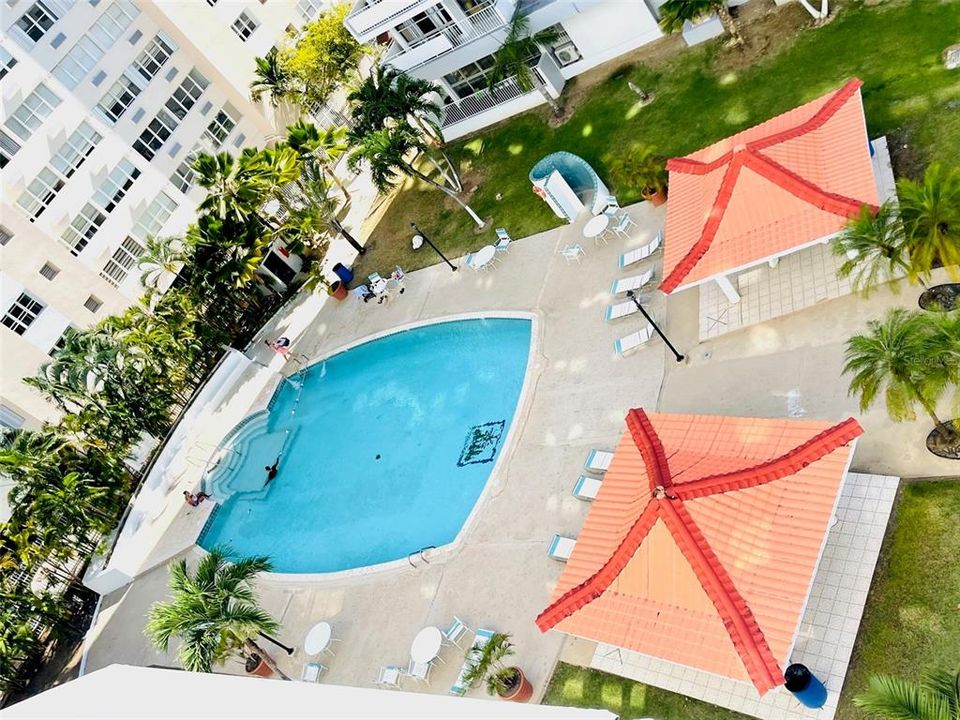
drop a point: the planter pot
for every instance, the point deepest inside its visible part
(940, 298)
(656, 198)
(256, 665)
(338, 290)
(521, 691)
(950, 452)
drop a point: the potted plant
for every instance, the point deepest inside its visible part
(640, 165)
(316, 279)
(488, 667)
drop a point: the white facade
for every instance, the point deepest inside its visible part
(450, 42)
(103, 102)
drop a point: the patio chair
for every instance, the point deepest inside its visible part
(633, 340)
(457, 630)
(586, 488)
(419, 671)
(561, 547)
(620, 310)
(573, 252)
(643, 252)
(613, 206)
(624, 221)
(373, 278)
(312, 671)
(598, 461)
(390, 676)
(362, 292)
(397, 278)
(483, 636)
(504, 240)
(634, 282)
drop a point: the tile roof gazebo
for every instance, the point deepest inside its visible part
(783, 185)
(702, 544)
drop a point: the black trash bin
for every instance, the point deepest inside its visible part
(344, 273)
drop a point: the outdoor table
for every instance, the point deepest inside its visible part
(595, 226)
(426, 645)
(482, 257)
(318, 639)
(379, 287)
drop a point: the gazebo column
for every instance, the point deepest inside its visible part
(727, 287)
(773, 262)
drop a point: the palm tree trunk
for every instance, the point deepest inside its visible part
(348, 237)
(945, 432)
(457, 182)
(454, 182)
(251, 647)
(476, 218)
(728, 23)
(338, 182)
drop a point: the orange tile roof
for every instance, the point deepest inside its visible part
(703, 541)
(762, 192)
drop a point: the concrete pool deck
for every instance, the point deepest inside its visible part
(500, 577)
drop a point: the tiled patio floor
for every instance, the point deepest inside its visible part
(829, 626)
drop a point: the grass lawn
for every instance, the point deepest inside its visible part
(703, 94)
(911, 624)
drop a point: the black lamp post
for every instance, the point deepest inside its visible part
(421, 237)
(276, 642)
(633, 296)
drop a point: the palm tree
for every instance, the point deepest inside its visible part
(324, 146)
(892, 359)
(930, 211)
(164, 256)
(312, 212)
(640, 165)
(674, 13)
(935, 697)
(874, 246)
(236, 186)
(214, 612)
(271, 78)
(514, 57)
(387, 152)
(415, 100)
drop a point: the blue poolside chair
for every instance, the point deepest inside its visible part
(483, 636)
(561, 547)
(586, 488)
(598, 461)
(504, 240)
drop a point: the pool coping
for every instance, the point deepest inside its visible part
(445, 552)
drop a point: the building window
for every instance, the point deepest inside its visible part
(22, 313)
(118, 267)
(36, 21)
(116, 185)
(49, 271)
(84, 226)
(32, 112)
(244, 26)
(470, 78)
(118, 98)
(5, 236)
(8, 148)
(10, 419)
(40, 193)
(93, 303)
(184, 175)
(154, 55)
(185, 96)
(221, 126)
(7, 61)
(154, 217)
(113, 22)
(75, 150)
(70, 156)
(309, 9)
(155, 134)
(61, 342)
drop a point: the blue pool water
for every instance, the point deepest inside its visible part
(435, 403)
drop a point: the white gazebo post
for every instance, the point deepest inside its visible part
(727, 287)
(773, 262)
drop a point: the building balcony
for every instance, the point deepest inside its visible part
(481, 101)
(370, 18)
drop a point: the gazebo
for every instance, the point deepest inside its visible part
(702, 544)
(779, 187)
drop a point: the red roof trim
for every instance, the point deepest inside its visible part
(789, 463)
(651, 449)
(594, 586)
(741, 625)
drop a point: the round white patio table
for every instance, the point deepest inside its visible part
(482, 257)
(426, 645)
(318, 639)
(595, 225)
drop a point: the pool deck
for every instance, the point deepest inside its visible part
(579, 391)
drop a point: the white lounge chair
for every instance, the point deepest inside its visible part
(643, 252)
(483, 636)
(586, 488)
(457, 630)
(633, 340)
(598, 461)
(573, 252)
(634, 282)
(623, 222)
(419, 671)
(503, 240)
(620, 310)
(390, 676)
(612, 207)
(312, 671)
(561, 547)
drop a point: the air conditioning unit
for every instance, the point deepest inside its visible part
(566, 54)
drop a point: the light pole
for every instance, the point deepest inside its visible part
(633, 296)
(276, 642)
(421, 237)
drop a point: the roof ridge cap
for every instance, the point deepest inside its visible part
(651, 449)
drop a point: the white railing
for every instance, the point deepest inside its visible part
(369, 15)
(481, 101)
(458, 33)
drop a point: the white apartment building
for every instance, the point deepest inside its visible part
(450, 42)
(103, 104)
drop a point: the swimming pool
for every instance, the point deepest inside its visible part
(384, 451)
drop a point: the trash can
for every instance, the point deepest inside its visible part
(344, 273)
(805, 686)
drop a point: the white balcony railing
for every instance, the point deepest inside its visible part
(369, 17)
(481, 101)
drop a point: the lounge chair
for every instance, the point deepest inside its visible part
(624, 221)
(573, 252)
(620, 310)
(483, 636)
(503, 239)
(362, 292)
(457, 630)
(598, 461)
(419, 671)
(613, 206)
(390, 676)
(561, 547)
(634, 282)
(311, 672)
(643, 252)
(586, 488)
(633, 340)
(373, 278)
